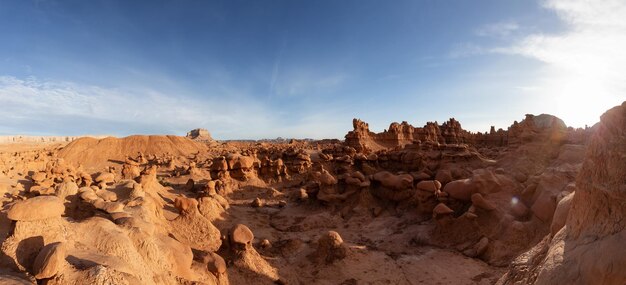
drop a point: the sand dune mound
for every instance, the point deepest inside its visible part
(92, 152)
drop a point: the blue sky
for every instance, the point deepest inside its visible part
(262, 69)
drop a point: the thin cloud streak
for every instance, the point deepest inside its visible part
(500, 29)
(32, 99)
(35, 106)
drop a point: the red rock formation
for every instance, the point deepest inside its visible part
(401, 134)
(589, 248)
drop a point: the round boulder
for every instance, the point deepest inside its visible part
(241, 236)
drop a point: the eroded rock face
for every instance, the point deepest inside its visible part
(596, 222)
(199, 135)
(401, 134)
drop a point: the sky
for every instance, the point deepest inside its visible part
(264, 69)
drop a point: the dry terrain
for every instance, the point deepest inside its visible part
(538, 203)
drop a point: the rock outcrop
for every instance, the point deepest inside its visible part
(201, 135)
(588, 249)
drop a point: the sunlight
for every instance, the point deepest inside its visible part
(581, 101)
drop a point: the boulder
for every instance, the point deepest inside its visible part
(67, 188)
(37, 208)
(460, 189)
(241, 236)
(330, 248)
(50, 260)
(215, 264)
(428, 185)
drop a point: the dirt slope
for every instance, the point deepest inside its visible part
(92, 152)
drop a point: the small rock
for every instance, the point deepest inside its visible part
(265, 243)
(215, 263)
(258, 203)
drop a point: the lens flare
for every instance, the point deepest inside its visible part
(514, 201)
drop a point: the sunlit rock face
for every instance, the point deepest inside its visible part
(592, 222)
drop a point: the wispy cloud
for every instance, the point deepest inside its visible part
(276, 67)
(500, 29)
(36, 106)
(305, 82)
(462, 50)
(583, 67)
(40, 106)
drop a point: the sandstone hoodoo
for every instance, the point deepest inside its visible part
(200, 135)
(537, 203)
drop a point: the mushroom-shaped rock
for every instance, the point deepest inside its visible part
(460, 189)
(479, 201)
(209, 189)
(441, 209)
(330, 248)
(49, 261)
(215, 264)
(37, 208)
(241, 236)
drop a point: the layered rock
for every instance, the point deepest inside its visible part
(401, 134)
(532, 128)
(200, 135)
